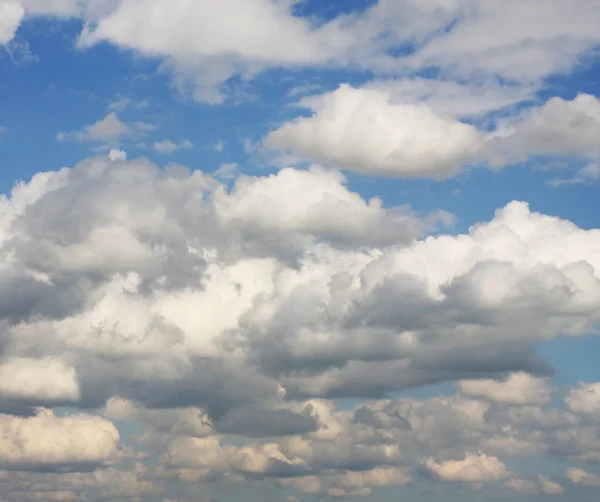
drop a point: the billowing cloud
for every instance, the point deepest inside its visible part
(316, 202)
(360, 129)
(192, 283)
(45, 441)
(221, 320)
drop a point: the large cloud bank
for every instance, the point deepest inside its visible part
(201, 312)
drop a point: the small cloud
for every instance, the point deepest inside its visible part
(219, 146)
(3, 131)
(119, 105)
(304, 89)
(167, 146)
(144, 126)
(249, 147)
(587, 175)
(108, 129)
(122, 104)
(116, 155)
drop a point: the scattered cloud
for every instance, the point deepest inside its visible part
(109, 129)
(167, 146)
(117, 155)
(168, 332)
(587, 175)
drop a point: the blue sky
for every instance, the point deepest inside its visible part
(255, 325)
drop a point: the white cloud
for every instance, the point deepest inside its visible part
(475, 468)
(167, 146)
(348, 483)
(584, 399)
(524, 41)
(453, 36)
(198, 312)
(206, 44)
(219, 146)
(315, 202)
(587, 175)
(11, 14)
(325, 292)
(519, 389)
(108, 129)
(44, 380)
(457, 99)
(559, 127)
(46, 440)
(117, 155)
(581, 477)
(362, 130)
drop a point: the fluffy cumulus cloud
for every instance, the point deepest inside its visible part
(46, 441)
(170, 334)
(360, 129)
(221, 320)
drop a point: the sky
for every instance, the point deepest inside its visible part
(295, 250)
